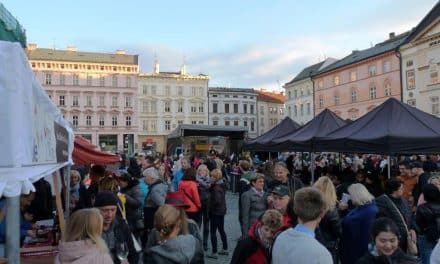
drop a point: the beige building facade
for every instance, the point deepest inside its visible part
(96, 92)
(166, 100)
(270, 107)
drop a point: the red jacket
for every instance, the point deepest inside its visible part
(190, 195)
(250, 250)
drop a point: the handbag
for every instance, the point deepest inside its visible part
(190, 198)
(136, 244)
(411, 244)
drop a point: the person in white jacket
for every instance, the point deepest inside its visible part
(435, 255)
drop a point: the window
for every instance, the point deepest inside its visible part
(153, 125)
(295, 93)
(201, 122)
(48, 79)
(128, 101)
(235, 122)
(372, 70)
(373, 92)
(226, 108)
(193, 91)
(252, 109)
(410, 80)
(290, 95)
(62, 79)
(226, 96)
(180, 107)
(320, 84)
(114, 121)
(145, 107)
(114, 81)
(75, 79)
(128, 121)
(261, 109)
(167, 91)
(145, 125)
(337, 100)
(89, 101)
(215, 108)
(153, 106)
(193, 108)
(114, 101)
(412, 102)
(214, 95)
(353, 95)
(101, 100)
(75, 121)
(227, 123)
(262, 122)
(386, 66)
(88, 120)
(61, 100)
(434, 76)
(245, 123)
(321, 102)
(308, 92)
(252, 126)
(101, 121)
(215, 122)
(101, 81)
(435, 105)
(167, 125)
(245, 109)
(167, 107)
(295, 110)
(336, 80)
(409, 63)
(128, 82)
(281, 111)
(180, 90)
(201, 107)
(144, 89)
(308, 108)
(75, 100)
(89, 80)
(180, 122)
(301, 107)
(235, 108)
(353, 76)
(387, 89)
(153, 90)
(235, 96)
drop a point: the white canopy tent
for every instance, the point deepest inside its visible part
(35, 139)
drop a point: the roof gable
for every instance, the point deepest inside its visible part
(421, 29)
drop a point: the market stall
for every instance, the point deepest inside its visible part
(36, 140)
(86, 153)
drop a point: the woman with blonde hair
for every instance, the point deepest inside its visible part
(329, 230)
(172, 248)
(356, 225)
(82, 242)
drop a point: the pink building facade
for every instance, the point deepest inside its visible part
(356, 84)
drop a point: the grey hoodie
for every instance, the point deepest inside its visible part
(182, 249)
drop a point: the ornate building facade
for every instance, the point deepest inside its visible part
(96, 92)
(270, 107)
(168, 99)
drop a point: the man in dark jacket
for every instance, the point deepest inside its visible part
(422, 179)
(394, 206)
(87, 195)
(115, 230)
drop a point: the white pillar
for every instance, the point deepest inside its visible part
(13, 230)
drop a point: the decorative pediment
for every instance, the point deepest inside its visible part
(75, 111)
(128, 112)
(114, 112)
(88, 112)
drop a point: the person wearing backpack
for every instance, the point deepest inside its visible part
(428, 222)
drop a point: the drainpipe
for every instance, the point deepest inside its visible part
(313, 97)
(209, 105)
(399, 55)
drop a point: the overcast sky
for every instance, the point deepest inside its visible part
(249, 44)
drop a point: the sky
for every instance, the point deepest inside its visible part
(243, 44)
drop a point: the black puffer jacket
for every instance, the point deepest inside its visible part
(428, 220)
(386, 209)
(329, 231)
(217, 203)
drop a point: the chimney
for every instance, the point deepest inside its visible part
(71, 48)
(392, 35)
(354, 51)
(120, 51)
(32, 46)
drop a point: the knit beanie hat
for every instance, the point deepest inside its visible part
(105, 198)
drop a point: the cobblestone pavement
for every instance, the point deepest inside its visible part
(232, 229)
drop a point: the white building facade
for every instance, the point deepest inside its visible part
(96, 92)
(299, 93)
(233, 107)
(420, 64)
(167, 99)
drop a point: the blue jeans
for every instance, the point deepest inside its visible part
(425, 248)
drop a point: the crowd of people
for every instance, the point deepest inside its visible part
(159, 210)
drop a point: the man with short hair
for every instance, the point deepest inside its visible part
(279, 198)
(298, 245)
(185, 164)
(115, 230)
(87, 194)
(422, 179)
(409, 180)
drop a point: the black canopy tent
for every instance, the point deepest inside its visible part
(391, 128)
(304, 138)
(265, 141)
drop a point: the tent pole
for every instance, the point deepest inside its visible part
(270, 158)
(389, 166)
(13, 230)
(312, 167)
(67, 192)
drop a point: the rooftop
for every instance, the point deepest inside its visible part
(72, 55)
(426, 21)
(230, 90)
(270, 97)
